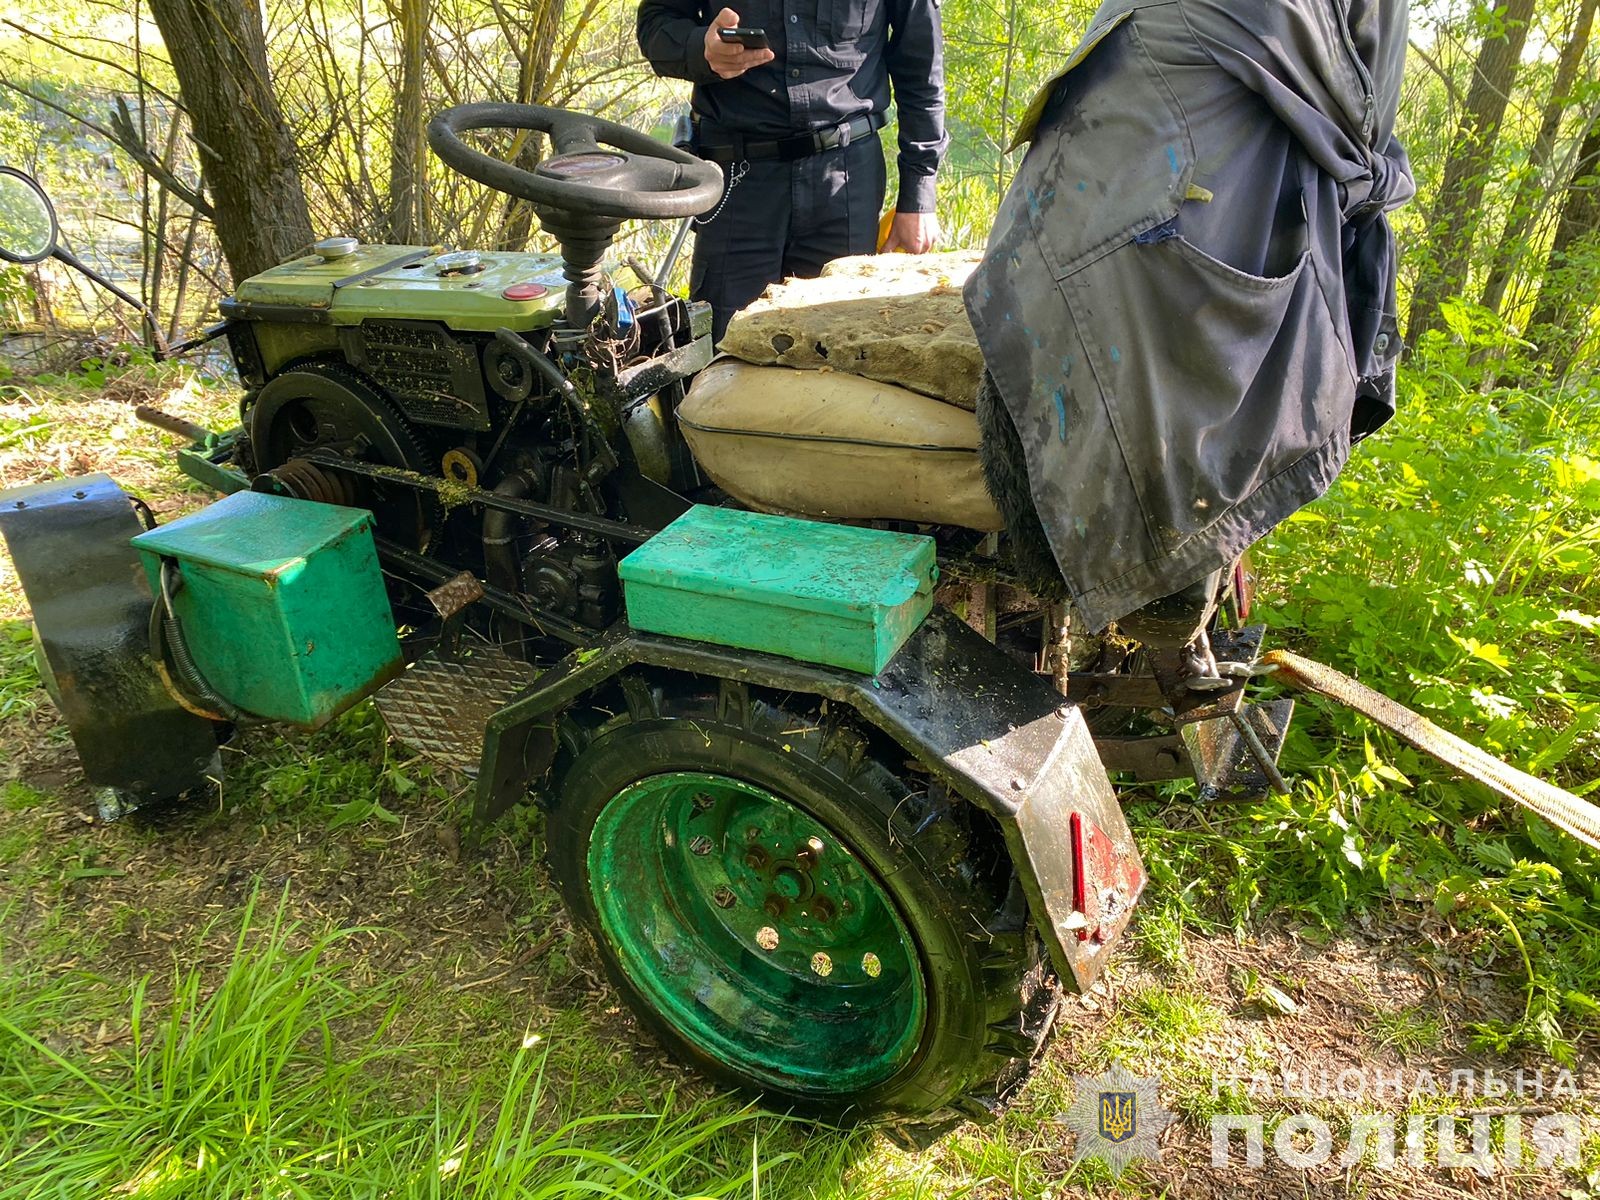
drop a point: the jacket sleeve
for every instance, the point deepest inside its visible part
(916, 68)
(672, 37)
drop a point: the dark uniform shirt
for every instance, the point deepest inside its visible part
(834, 61)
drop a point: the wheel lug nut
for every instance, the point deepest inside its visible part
(775, 907)
(811, 851)
(723, 897)
(822, 909)
(701, 845)
(756, 858)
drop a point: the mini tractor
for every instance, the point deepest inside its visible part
(815, 789)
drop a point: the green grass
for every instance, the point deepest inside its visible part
(19, 797)
(281, 1070)
(1407, 1030)
(1454, 567)
(20, 692)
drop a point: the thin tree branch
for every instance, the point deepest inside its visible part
(128, 138)
(65, 112)
(94, 58)
(1444, 76)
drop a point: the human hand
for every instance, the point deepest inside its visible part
(729, 59)
(912, 233)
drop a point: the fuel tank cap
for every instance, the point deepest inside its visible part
(460, 262)
(330, 248)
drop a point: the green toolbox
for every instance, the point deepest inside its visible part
(831, 594)
(281, 602)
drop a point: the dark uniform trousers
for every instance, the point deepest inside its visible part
(784, 219)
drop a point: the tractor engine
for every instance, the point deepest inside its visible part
(371, 367)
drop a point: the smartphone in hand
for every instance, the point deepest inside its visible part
(745, 35)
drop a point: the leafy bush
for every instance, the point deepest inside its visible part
(1453, 567)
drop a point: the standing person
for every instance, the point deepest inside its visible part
(795, 127)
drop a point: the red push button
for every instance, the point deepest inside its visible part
(525, 291)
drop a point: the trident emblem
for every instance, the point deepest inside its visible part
(1119, 1116)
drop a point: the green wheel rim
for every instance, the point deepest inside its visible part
(757, 934)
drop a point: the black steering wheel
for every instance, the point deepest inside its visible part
(600, 168)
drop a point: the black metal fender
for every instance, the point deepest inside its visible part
(994, 732)
(91, 601)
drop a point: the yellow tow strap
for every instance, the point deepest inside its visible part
(1573, 814)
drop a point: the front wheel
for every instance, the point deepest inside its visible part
(789, 913)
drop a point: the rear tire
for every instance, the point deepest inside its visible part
(788, 912)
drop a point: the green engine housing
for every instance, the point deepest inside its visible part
(418, 322)
(282, 603)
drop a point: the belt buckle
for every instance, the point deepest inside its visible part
(841, 133)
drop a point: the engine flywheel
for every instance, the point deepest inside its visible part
(329, 407)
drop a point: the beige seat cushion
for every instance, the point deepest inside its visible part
(835, 446)
(896, 318)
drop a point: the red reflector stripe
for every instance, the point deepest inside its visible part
(1080, 890)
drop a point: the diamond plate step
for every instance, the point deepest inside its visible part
(440, 705)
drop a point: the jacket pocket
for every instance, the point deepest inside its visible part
(850, 20)
(1215, 380)
(1112, 155)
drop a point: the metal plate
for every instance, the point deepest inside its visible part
(1224, 764)
(456, 594)
(442, 704)
(1148, 759)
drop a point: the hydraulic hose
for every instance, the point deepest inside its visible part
(538, 362)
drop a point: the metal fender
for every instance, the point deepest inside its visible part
(69, 542)
(993, 731)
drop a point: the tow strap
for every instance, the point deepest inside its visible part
(1573, 814)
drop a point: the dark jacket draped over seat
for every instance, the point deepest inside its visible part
(1188, 300)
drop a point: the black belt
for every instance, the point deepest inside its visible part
(803, 145)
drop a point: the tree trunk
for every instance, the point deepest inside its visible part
(219, 54)
(1534, 189)
(1567, 291)
(543, 25)
(1454, 219)
(408, 155)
